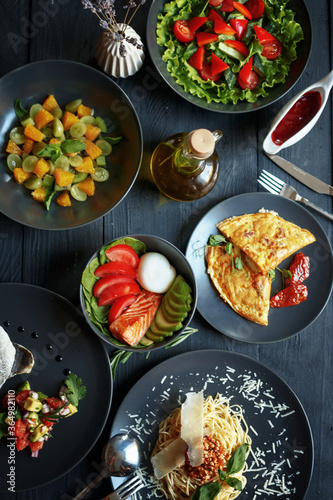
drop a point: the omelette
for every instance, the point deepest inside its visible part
(265, 238)
(246, 291)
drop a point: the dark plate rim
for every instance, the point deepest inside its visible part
(177, 359)
(60, 298)
(111, 82)
(213, 106)
(307, 214)
(157, 345)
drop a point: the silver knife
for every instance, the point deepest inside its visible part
(299, 174)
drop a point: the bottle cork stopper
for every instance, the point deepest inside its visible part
(202, 142)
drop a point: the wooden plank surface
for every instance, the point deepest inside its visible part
(61, 29)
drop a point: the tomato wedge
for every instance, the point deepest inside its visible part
(240, 27)
(227, 6)
(204, 38)
(223, 28)
(263, 35)
(250, 83)
(110, 280)
(206, 73)
(271, 50)
(197, 59)
(182, 32)
(119, 306)
(113, 292)
(124, 253)
(115, 267)
(256, 7)
(240, 46)
(196, 22)
(21, 397)
(218, 66)
(243, 10)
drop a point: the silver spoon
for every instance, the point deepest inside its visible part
(324, 87)
(121, 456)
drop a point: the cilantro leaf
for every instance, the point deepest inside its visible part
(77, 391)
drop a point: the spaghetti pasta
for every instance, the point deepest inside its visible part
(225, 430)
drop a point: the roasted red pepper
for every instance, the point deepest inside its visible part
(290, 296)
(299, 268)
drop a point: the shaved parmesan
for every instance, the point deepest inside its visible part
(169, 458)
(192, 426)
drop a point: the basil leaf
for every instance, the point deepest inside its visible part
(235, 483)
(228, 248)
(71, 146)
(216, 239)
(271, 273)
(237, 460)
(238, 263)
(20, 112)
(112, 140)
(222, 475)
(207, 491)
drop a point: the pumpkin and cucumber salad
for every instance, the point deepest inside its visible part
(134, 297)
(59, 153)
(225, 51)
(30, 416)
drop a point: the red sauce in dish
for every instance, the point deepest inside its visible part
(294, 292)
(299, 115)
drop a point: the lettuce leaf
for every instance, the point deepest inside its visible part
(278, 20)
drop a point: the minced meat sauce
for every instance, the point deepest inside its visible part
(215, 458)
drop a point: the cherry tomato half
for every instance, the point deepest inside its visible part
(250, 83)
(256, 7)
(206, 73)
(271, 50)
(21, 397)
(182, 32)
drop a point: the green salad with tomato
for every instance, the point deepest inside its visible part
(225, 51)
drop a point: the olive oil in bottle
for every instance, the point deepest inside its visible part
(185, 167)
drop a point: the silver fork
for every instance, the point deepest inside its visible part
(276, 186)
(126, 489)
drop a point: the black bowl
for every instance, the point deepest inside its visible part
(178, 260)
(69, 80)
(278, 91)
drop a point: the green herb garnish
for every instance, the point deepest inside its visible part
(216, 239)
(77, 391)
(54, 151)
(235, 464)
(20, 112)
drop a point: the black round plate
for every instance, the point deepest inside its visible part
(281, 436)
(69, 80)
(32, 310)
(282, 323)
(278, 91)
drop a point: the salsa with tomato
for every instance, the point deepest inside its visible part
(226, 51)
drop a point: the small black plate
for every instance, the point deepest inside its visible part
(282, 322)
(281, 436)
(39, 318)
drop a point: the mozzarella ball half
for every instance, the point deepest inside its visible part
(155, 273)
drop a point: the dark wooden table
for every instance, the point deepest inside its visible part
(32, 30)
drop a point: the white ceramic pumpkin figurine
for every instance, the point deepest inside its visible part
(120, 55)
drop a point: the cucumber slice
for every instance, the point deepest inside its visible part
(230, 51)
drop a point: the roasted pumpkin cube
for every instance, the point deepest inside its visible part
(62, 177)
(28, 145)
(54, 140)
(92, 132)
(42, 118)
(69, 119)
(50, 103)
(33, 133)
(21, 175)
(87, 186)
(41, 168)
(39, 194)
(83, 111)
(87, 166)
(13, 148)
(92, 150)
(64, 200)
